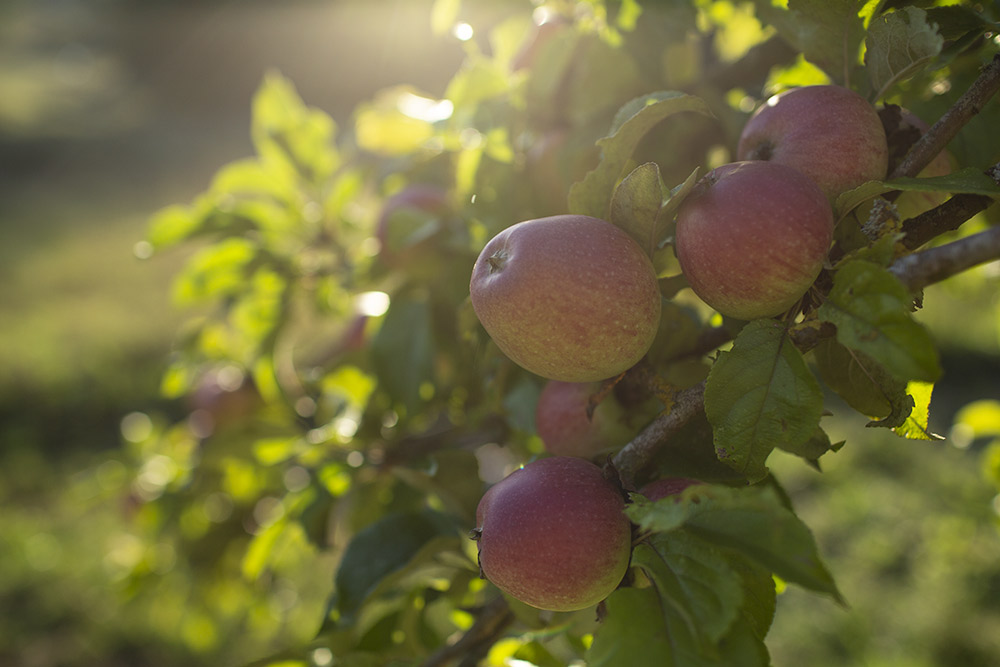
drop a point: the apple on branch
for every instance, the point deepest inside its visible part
(829, 133)
(563, 424)
(554, 535)
(567, 297)
(752, 237)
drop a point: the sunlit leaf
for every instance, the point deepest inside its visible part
(635, 205)
(915, 427)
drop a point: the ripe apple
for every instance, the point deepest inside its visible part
(668, 486)
(562, 422)
(752, 236)
(568, 297)
(829, 133)
(553, 534)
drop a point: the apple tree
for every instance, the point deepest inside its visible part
(729, 212)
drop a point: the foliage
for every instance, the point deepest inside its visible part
(375, 410)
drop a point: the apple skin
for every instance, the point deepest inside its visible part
(567, 297)
(829, 133)
(752, 237)
(668, 486)
(562, 423)
(554, 535)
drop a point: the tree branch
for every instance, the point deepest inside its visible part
(920, 269)
(636, 454)
(943, 131)
(947, 217)
(493, 619)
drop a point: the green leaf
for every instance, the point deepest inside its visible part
(403, 350)
(829, 33)
(759, 395)
(380, 550)
(814, 448)
(753, 521)
(760, 599)
(955, 21)
(915, 426)
(858, 379)
(636, 203)
(633, 633)
(665, 218)
(871, 310)
(592, 195)
(444, 15)
(969, 180)
(697, 577)
(898, 45)
(382, 127)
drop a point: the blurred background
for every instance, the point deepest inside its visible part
(112, 109)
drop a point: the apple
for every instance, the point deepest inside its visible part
(567, 297)
(752, 236)
(564, 427)
(668, 486)
(408, 217)
(554, 535)
(829, 133)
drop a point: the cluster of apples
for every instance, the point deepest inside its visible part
(575, 300)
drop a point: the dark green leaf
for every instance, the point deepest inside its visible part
(759, 395)
(871, 310)
(898, 45)
(380, 550)
(861, 381)
(636, 203)
(812, 449)
(956, 22)
(592, 195)
(753, 521)
(698, 578)
(633, 633)
(968, 180)
(402, 351)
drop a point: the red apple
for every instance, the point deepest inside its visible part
(554, 535)
(752, 237)
(829, 133)
(568, 297)
(566, 430)
(668, 486)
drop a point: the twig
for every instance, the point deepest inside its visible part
(474, 644)
(934, 265)
(636, 454)
(947, 217)
(943, 131)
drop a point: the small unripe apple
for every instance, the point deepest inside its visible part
(567, 297)
(829, 133)
(564, 427)
(667, 486)
(554, 535)
(752, 237)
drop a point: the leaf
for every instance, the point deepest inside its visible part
(752, 521)
(955, 22)
(760, 395)
(402, 351)
(636, 203)
(380, 550)
(858, 379)
(829, 33)
(969, 180)
(871, 310)
(592, 195)
(444, 14)
(915, 426)
(814, 448)
(699, 579)
(898, 45)
(665, 218)
(633, 633)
